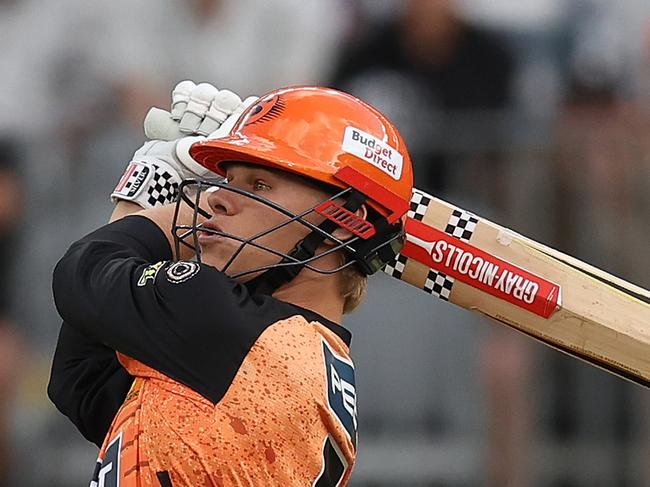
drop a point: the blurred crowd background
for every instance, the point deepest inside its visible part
(535, 114)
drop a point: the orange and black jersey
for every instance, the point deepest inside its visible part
(230, 388)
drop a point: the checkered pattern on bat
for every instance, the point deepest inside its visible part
(461, 224)
(419, 203)
(163, 189)
(439, 284)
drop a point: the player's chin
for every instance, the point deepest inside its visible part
(215, 256)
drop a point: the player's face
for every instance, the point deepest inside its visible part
(244, 217)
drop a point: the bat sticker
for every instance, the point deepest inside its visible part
(471, 265)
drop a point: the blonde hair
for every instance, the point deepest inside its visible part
(353, 286)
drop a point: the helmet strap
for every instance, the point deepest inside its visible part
(274, 278)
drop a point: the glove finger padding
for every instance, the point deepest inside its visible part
(159, 125)
(180, 97)
(197, 107)
(223, 105)
(153, 176)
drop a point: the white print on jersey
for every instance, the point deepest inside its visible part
(341, 392)
(372, 150)
(107, 470)
(347, 392)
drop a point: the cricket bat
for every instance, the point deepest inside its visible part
(567, 304)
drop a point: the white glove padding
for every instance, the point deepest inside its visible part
(192, 114)
(180, 96)
(223, 106)
(197, 106)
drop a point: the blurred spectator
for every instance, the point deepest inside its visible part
(139, 49)
(256, 46)
(442, 81)
(27, 52)
(601, 178)
(79, 78)
(10, 206)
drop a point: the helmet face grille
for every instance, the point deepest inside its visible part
(365, 248)
(186, 232)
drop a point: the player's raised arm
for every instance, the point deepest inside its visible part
(87, 382)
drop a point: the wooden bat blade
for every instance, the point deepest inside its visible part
(574, 307)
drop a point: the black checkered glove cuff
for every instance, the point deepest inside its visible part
(149, 182)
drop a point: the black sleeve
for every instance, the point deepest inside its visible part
(87, 383)
(186, 320)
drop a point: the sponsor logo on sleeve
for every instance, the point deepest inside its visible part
(182, 271)
(149, 273)
(374, 151)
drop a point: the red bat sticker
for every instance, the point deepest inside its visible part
(471, 265)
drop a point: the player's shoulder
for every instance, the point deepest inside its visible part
(328, 329)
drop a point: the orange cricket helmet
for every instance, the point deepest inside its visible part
(323, 134)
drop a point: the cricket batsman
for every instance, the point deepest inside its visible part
(202, 342)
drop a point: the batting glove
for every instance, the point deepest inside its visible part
(157, 168)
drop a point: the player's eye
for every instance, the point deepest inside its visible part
(260, 185)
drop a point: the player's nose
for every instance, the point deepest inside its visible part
(220, 201)
(216, 203)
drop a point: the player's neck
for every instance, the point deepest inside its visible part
(316, 292)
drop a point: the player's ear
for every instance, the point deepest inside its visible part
(342, 233)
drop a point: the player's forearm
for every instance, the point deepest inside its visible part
(92, 265)
(160, 215)
(124, 208)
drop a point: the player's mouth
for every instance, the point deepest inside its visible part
(206, 233)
